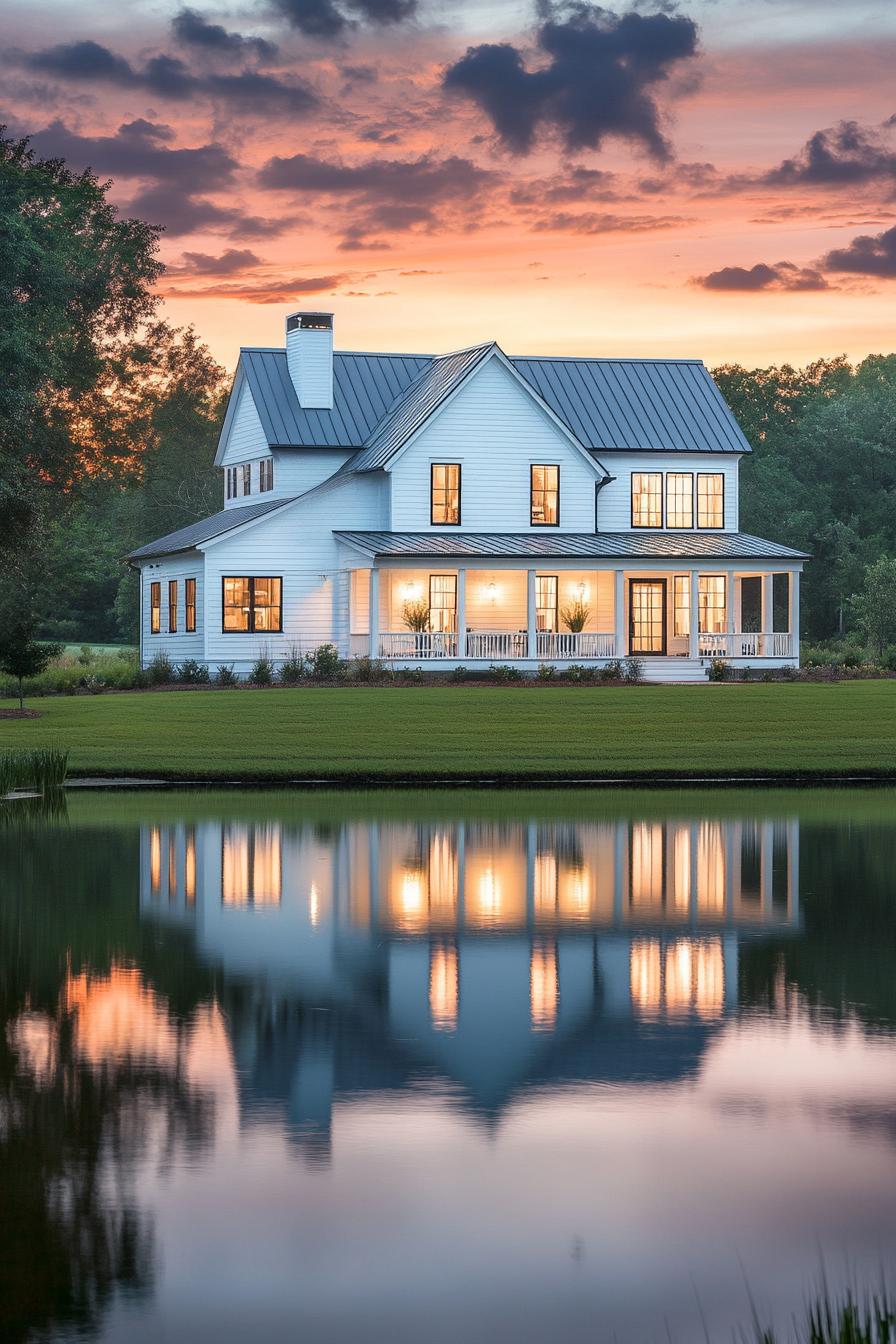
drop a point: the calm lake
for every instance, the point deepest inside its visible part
(459, 1066)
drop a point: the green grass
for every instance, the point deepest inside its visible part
(521, 732)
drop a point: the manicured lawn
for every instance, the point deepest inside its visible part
(473, 732)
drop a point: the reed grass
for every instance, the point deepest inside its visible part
(854, 1318)
(41, 769)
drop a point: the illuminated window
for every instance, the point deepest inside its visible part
(251, 865)
(710, 868)
(544, 492)
(543, 986)
(685, 977)
(646, 976)
(155, 860)
(443, 602)
(545, 877)
(711, 604)
(247, 478)
(252, 604)
(190, 604)
(442, 878)
(681, 605)
(172, 868)
(172, 606)
(681, 869)
(266, 474)
(647, 863)
(190, 867)
(680, 499)
(575, 891)
(710, 499)
(155, 608)
(444, 505)
(443, 988)
(546, 602)
(647, 499)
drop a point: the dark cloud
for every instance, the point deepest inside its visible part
(782, 276)
(232, 262)
(139, 149)
(868, 254)
(193, 30)
(598, 80)
(845, 155)
(383, 194)
(591, 222)
(570, 186)
(169, 77)
(266, 291)
(328, 20)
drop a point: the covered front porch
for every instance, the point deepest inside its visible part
(562, 612)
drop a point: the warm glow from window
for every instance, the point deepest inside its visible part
(445, 497)
(681, 605)
(680, 499)
(709, 986)
(546, 602)
(545, 496)
(681, 869)
(155, 608)
(251, 865)
(647, 499)
(645, 976)
(190, 605)
(710, 499)
(647, 863)
(443, 602)
(545, 894)
(266, 866)
(711, 591)
(543, 986)
(252, 604)
(443, 988)
(314, 905)
(442, 879)
(489, 894)
(155, 860)
(235, 867)
(710, 868)
(172, 868)
(685, 977)
(190, 867)
(679, 978)
(575, 893)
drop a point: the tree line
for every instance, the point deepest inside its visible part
(109, 419)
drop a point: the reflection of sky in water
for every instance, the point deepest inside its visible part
(488, 1081)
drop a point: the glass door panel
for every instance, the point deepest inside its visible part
(647, 616)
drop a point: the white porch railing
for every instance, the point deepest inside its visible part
(575, 644)
(762, 644)
(497, 644)
(418, 644)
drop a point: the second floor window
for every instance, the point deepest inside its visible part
(544, 496)
(172, 606)
(444, 505)
(266, 474)
(647, 499)
(231, 477)
(710, 499)
(247, 478)
(190, 604)
(155, 608)
(680, 499)
(252, 605)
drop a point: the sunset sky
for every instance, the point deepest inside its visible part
(713, 179)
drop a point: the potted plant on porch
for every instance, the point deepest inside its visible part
(416, 617)
(575, 618)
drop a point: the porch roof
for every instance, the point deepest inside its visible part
(570, 545)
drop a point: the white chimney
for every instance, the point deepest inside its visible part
(309, 358)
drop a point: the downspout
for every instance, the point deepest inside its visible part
(598, 486)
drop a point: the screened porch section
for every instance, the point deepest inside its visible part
(504, 614)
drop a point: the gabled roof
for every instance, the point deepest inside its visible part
(607, 404)
(207, 529)
(571, 545)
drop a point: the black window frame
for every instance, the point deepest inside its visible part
(433, 522)
(452, 630)
(251, 579)
(172, 607)
(543, 466)
(155, 607)
(190, 606)
(709, 527)
(647, 527)
(265, 475)
(555, 609)
(681, 527)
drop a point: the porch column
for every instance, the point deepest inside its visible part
(374, 612)
(795, 613)
(768, 604)
(729, 605)
(694, 615)
(460, 615)
(531, 615)
(619, 614)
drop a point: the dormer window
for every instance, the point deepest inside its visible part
(444, 507)
(544, 496)
(230, 474)
(266, 474)
(247, 478)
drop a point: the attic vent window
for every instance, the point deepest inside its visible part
(310, 322)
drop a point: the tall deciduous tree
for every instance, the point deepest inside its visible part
(874, 607)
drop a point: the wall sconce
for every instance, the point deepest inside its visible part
(492, 591)
(411, 591)
(581, 591)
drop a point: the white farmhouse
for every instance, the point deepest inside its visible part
(472, 508)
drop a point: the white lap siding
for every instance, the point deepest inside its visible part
(180, 645)
(496, 431)
(614, 506)
(297, 545)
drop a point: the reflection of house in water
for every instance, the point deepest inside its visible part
(498, 954)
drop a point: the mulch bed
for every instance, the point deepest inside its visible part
(19, 714)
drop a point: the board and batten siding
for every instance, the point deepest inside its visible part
(298, 545)
(614, 505)
(496, 431)
(180, 645)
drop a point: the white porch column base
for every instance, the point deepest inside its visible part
(460, 615)
(619, 613)
(694, 614)
(531, 614)
(374, 612)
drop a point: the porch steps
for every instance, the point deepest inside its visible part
(674, 669)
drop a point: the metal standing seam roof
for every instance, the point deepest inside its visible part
(608, 404)
(570, 545)
(188, 538)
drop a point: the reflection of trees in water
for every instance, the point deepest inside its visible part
(76, 1122)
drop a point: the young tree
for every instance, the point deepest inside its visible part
(874, 608)
(22, 656)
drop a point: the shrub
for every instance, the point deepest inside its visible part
(325, 662)
(160, 670)
(225, 675)
(193, 673)
(459, 673)
(365, 669)
(746, 674)
(85, 655)
(719, 670)
(504, 672)
(612, 671)
(577, 672)
(546, 672)
(293, 668)
(633, 671)
(262, 673)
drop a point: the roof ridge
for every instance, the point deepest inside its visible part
(609, 359)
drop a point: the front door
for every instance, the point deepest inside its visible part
(647, 616)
